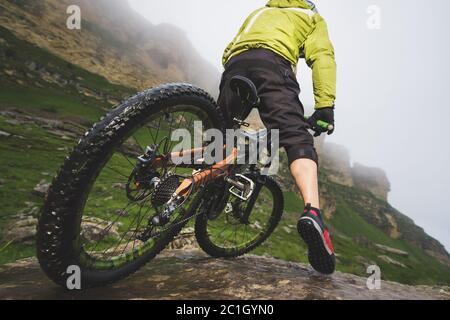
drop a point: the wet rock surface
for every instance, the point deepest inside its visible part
(190, 274)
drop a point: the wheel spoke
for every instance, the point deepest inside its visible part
(128, 160)
(110, 225)
(228, 232)
(136, 218)
(116, 171)
(159, 128)
(138, 143)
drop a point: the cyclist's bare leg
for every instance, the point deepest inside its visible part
(304, 172)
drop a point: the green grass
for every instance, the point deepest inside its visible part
(34, 154)
(347, 225)
(50, 101)
(24, 162)
(19, 52)
(37, 155)
(15, 251)
(283, 244)
(27, 88)
(292, 203)
(349, 221)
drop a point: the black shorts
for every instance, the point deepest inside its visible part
(280, 106)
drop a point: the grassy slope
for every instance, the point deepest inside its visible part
(37, 155)
(24, 162)
(421, 268)
(27, 90)
(347, 225)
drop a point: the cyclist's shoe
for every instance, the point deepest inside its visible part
(317, 237)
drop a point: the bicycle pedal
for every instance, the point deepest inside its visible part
(242, 187)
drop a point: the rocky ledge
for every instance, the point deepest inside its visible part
(190, 274)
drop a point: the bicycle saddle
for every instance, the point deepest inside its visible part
(245, 89)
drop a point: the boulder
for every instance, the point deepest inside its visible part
(21, 230)
(4, 134)
(41, 188)
(335, 159)
(392, 261)
(371, 179)
(95, 229)
(185, 240)
(387, 249)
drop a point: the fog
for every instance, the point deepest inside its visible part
(393, 109)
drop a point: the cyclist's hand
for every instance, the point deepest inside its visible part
(323, 114)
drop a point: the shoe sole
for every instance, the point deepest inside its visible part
(318, 255)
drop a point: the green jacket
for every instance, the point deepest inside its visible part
(293, 29)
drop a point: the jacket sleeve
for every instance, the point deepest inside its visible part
(319, 55)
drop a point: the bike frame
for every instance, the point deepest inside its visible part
(200, 178)
(221, 169)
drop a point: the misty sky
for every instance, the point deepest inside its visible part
(393, 108)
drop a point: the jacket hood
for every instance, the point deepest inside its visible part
(291, 4)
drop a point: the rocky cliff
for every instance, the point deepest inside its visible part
(371, 179)
(372, 203)
(114, 41)
(190, 274)
(335, 159)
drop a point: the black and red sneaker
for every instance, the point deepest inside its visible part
(317, 237)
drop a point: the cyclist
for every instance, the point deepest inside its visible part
(266, 50)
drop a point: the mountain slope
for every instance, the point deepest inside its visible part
(52, 90)
(366, 229)
(114, 42)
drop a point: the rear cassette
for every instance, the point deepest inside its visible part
(165, 190)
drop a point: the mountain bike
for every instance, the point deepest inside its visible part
(120, 198)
